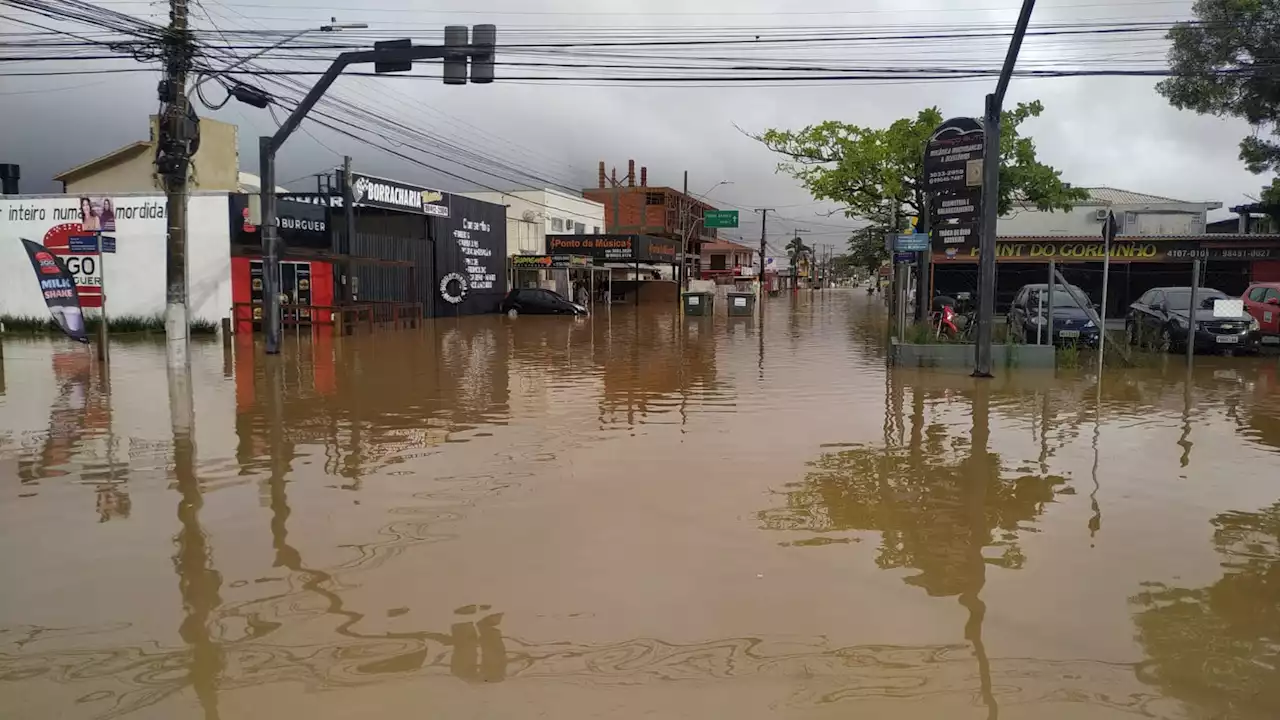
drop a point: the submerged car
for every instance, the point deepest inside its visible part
(536, 301)
(1161, 318)
(1071, 313)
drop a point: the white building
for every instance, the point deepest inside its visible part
(1137, 213)
(532, 214)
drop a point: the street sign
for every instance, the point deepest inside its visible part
(947, 155)
(914, 242)
(82, 244)
(108, 244)
(904, 257)
(720, 218)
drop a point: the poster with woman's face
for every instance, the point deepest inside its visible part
(97, 214)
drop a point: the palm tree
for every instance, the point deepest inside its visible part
(797, 250)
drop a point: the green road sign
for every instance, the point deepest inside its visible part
(720, 218)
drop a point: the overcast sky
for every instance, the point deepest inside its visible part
(1098, 131)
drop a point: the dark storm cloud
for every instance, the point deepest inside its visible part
(1114, 132)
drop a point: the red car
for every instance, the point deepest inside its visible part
(1262, 301)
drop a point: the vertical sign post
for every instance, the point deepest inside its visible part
(104, 353)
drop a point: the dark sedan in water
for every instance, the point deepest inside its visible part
(1161, 318)
(1072, 322)
(536, 301)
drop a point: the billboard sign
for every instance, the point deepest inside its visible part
(948, 153)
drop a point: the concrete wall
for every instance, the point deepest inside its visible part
(135, 283)
(1164, 219)
(215, 166)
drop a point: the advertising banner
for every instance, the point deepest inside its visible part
(369, 191)
(1075, 250)
(59, 289)
(615, 248)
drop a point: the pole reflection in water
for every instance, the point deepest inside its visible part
(198, 582)
(983, 472)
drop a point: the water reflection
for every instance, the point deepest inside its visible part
(1218, 646)
(554, 505)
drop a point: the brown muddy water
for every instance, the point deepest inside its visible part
(635, 516)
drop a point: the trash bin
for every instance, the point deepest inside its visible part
(698, 303)
(742, 304)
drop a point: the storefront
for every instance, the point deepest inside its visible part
(633, 261)
(414, 250)
(572, 276)
(1229, 263)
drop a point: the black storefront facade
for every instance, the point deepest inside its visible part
(411, 244)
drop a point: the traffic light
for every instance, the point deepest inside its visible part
(455, 58)
(483, 37)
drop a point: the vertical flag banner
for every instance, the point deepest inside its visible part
(59, 289)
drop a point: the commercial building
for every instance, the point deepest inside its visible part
(1157, 240)
(534, 214)
(659, 211)
(415, 250)
(726, 261)
(1137, 214)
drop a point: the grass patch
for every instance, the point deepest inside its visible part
(123, 325)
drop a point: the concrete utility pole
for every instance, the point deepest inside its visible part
(349, 220)
(177, 130)
(991, 198)
(764, 247)
(684, 233)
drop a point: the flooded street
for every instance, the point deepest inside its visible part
(635, 515)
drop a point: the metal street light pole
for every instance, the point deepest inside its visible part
(991, 198)
(331, 27)
(688, 228)
(387, 56)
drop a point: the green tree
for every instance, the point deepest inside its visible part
(877, 173)
(1223, 64)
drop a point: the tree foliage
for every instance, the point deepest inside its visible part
(1224, 64)
(876, 173)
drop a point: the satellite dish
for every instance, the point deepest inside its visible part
(528, 215)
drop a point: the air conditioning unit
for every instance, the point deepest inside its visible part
(1100, 214)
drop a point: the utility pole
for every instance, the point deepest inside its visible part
(991, 198)
(177, 129)
(684, 232)
(764, 230)
(349, 220)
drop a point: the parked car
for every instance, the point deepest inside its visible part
(1262, 301)
(536, 301)
(1161, 317)
(1072, 320)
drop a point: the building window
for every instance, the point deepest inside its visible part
(557, 225)
(595, 229)
(718, 262)
(655, 198)
(579, 229)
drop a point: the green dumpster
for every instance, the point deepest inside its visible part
(698, 303)
(742, 304)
